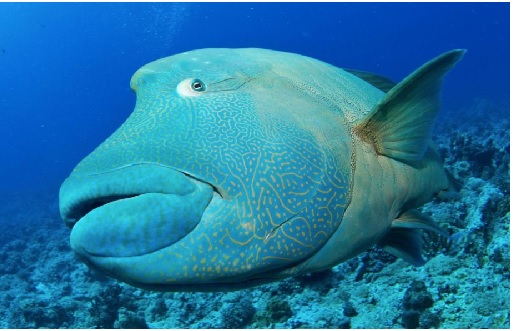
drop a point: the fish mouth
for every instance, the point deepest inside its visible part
(132, 210)
(131, 222)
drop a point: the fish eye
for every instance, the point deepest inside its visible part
(191, 87)
(197, 85)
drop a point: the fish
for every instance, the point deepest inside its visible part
(241, 167)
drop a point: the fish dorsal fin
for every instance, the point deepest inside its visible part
(400, 124)
(382, 83)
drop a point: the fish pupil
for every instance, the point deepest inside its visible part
(197, 85)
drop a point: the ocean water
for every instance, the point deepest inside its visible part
(64, 88)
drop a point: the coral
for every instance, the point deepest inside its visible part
(477, 148)
(417, 297)
(371, 263)
(156, 309)
(238, 314)
(320, 317)
(416, 300)
(104, 307)
(350, 310)
(429, 320)
(40, 314)
(278, 311)
(321, 281)
(130, 320)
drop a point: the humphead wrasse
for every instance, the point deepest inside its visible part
(240, 167)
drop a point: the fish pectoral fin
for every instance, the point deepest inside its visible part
(400, 124)
(405, 238)
(381, 83)
(405, 244)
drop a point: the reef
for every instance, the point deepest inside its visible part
(464, 284)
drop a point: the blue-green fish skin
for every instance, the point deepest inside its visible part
(243, 166)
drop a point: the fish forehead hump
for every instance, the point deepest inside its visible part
(278, 147)
(288, 93)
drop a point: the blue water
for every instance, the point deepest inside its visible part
(64, 88)
(65, 67)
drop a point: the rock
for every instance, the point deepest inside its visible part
(104, 307)
(237, 315)
(411, 319)
(278, 310)
(416, 300)
(343, 323)
(349, 310)
(429, 320)
(156, 309)
(129, 320)
(417, 297)
(40, 315)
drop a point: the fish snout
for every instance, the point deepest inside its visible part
(132, 210)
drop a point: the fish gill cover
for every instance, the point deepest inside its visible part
(65, 88)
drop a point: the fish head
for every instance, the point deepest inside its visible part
(213, 181)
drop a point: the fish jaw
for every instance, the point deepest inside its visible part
(144, 223)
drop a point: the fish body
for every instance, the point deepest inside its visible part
(239, 167)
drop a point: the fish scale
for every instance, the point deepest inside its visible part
(304, 165)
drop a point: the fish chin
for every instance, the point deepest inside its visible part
(143, 272)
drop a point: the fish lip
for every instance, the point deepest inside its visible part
(84, 205)
(83, 208)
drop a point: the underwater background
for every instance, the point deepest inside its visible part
(64, 88)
